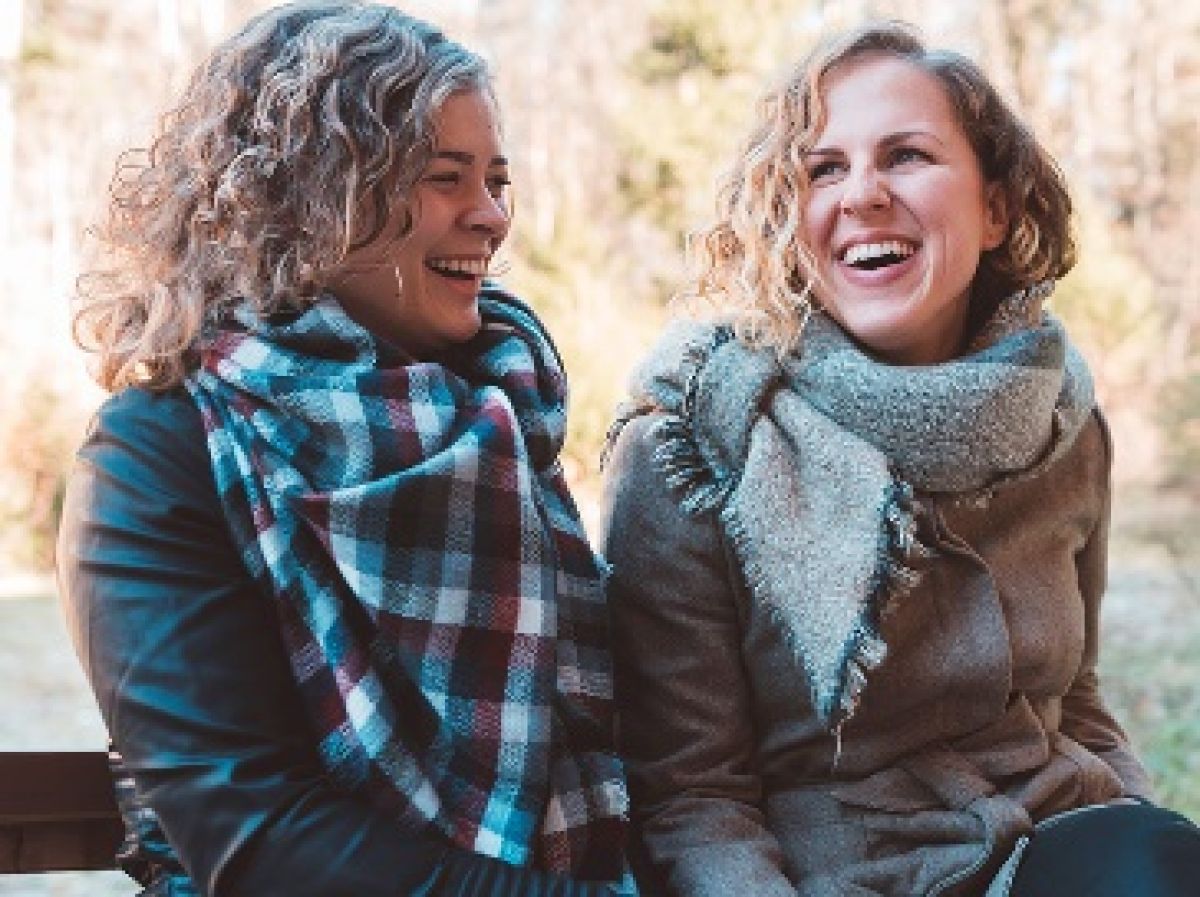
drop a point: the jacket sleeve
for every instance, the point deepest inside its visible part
(1086, 717)
(686, 722)
(193, 681)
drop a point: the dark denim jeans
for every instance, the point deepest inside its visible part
(1126, 850)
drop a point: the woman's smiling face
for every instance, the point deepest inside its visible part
(898, 213)
(420, 289)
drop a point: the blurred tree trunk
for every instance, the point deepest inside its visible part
(562, 84)
(11, 32)
(212, 19)
(541, 180)
(170, 29)
(63, 263)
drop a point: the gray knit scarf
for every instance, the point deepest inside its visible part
(811, 463)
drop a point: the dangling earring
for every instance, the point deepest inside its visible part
(399, 284)
(306, 282)
(498, 268)
(806, 304)
(805, 308)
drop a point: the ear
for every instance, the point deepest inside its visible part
(995, 212)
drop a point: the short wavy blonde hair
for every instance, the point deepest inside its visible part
(752, 266)
(257, 179)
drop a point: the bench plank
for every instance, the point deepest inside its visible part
(57, 812)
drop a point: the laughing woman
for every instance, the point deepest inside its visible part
(857, 522)
(318, 557)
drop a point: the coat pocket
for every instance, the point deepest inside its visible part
(928, 781)
(893, 790)
(887, 835)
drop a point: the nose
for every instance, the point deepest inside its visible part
(865, 190)
(487, 213)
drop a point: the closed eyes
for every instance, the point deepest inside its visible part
(449, 180)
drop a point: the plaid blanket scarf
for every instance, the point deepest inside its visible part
(442, 608)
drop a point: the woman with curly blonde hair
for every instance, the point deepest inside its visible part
(317, 555)
(857, 520)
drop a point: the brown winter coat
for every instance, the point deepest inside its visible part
(984, 718)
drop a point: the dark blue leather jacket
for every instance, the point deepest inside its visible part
(219, 780)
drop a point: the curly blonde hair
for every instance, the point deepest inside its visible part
(752, 264)
(311, 116)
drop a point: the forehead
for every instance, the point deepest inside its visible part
(878, 93)
(468, 121)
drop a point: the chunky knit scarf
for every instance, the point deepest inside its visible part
(442, 608)
(812, 462)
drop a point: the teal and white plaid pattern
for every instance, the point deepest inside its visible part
(442, 608)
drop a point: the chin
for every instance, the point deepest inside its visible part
(464, 331)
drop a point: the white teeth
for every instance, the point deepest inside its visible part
(475, 267)
(860, 252)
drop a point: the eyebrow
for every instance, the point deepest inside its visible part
(889, 140)
(466, 158)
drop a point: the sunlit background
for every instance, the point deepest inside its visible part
(619, 115)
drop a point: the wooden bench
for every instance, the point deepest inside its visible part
(57, 813)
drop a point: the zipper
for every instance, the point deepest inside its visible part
(1009, 869)
(962, 875)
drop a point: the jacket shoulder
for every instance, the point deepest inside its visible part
(711, 388)
(1087, 465)
(141, 415)
(643, 518)
(1103, 434)
(142, 488)
(155, 440)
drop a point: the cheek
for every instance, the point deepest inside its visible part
(429, 216)
(816, 225)
(409, 255)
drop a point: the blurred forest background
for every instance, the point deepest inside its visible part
(619, 115)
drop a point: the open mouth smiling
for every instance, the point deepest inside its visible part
(873, 256)
(459, 268)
